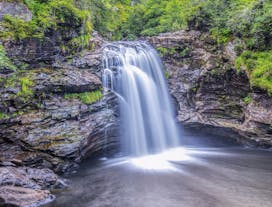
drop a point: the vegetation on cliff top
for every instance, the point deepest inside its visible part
(248, 23)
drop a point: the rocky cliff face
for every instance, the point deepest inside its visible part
(45, 123)
(42, 127)
(53, 113)
(209, 92)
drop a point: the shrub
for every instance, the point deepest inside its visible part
(259, 67)
(26, 84)
(47, 15)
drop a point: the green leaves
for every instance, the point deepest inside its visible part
(5, 62)
(259, 67)
(86, 97)
(47, 15)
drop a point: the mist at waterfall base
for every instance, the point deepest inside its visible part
(133, 71)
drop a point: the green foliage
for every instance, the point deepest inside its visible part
(259, 67)
(26, 84)
(47, 16)
(249, 21)
(166, 74)
(86, 97)
(79, 42)
(3, 115)
(166, 51)
(10, 115)
(185, 52)
(248, 99)
(10, 81)
(127, 19)
(5, 62)
(16, 28)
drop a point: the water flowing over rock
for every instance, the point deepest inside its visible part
(133, 71)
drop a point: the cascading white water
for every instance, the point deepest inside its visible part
(133, 71)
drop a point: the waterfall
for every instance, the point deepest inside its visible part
(133, 71)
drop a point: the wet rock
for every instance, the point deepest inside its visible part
(14, 196)
(24, 186)
(91, 60)
(210, 92)
(63, 81)
(40, 129)
(30, 178)
(33, 52)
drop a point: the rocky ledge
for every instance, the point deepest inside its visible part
(209, 92)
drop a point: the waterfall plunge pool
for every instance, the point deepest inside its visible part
(185, 177)
(162, 174)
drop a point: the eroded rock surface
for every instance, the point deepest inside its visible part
(49, 130)
(27, 186)
(208, 90)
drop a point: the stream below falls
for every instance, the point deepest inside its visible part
(197, 175)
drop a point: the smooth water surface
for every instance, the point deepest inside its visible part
(183, 177)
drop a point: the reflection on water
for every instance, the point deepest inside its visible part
(202, 177)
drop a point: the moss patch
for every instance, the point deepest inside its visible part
(3, 115)
(86, 97)
(26, 84)
(259, 67)
(5, 62)
(163, 51)
(248, 99)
